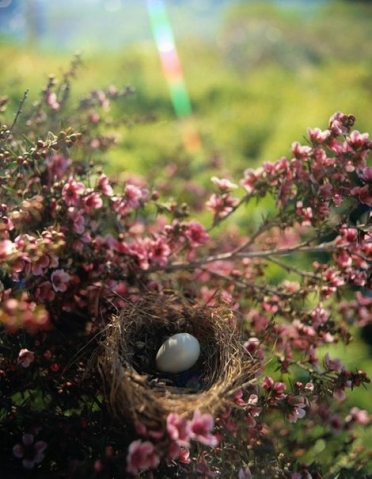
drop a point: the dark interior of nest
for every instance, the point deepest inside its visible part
(133, 339)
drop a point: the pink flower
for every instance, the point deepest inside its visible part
(332, 364)
(223, 183)
(25, 357)
(221, 204)
(195, 233)
(300, 152)
(251, 178)
(238, 398)
(72, 191)
(159, 252)
(252, 348)
(364, 194)
(298, 411)
(77, 218)
(365, 174)
(141, 455)
(40, 265)
(305, 213)
(133, 195)
(92, 202)
(359, 416)
(340, 124)
(31, 453)
(51, 100)
(200, 429)
(177, 452)
(59, 279)
(44, 291)
(318, 136)
(178, 429)
(104, 185)
(7, 247)
(358, 141)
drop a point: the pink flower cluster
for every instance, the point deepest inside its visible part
(144, 455)
(304, 180)
(70, 215)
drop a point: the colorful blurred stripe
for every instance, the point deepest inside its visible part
(164, 39)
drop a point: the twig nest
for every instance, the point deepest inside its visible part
(163, 354)
(178, 353)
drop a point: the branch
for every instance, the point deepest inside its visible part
(231, 255)
(19, 111)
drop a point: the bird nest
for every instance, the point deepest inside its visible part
(139, 394)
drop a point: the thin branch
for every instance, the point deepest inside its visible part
(231, 255)
(292, 269)
(247, 284)
(19, 112)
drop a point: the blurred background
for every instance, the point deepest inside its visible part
(255, 74)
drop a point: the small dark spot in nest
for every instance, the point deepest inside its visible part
(137, 392)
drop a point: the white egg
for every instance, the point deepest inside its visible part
(178, 353)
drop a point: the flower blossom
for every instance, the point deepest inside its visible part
(178, 429)
(251, 178)
(332, 364)
(72, 191)
(7, 247)
(223, 183)
(318, 136)
(141, 455)
(52, 100)
(297, 411)
(200, 429)
(195, 233)
(92, 201)
(29, 451)
(133, 195)
(45, 292)
(340, 124)
(159, 251)
(25, 357)
(59, 279)
(222, 204)
(77, 218)
(104, 185)
(360, 416)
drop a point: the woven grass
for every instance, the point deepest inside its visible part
(138, 393)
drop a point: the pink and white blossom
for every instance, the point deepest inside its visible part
(60, 279)
(25, 357)
(201, 426)
(142, 455)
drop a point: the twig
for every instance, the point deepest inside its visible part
(19, 111)
(241, 283)
(292, 269)
(231, 255)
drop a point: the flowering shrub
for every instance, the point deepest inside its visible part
(75, 245)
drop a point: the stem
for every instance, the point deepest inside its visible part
(292, 269)
(19, 111)
(299, 248)
(246, 284)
